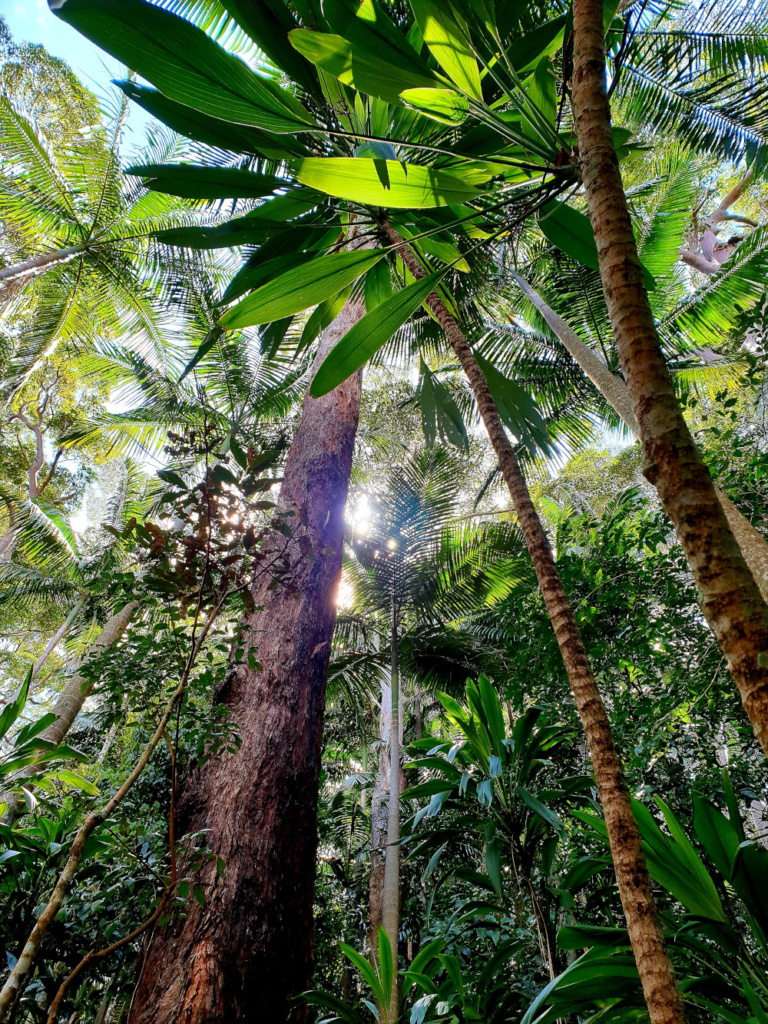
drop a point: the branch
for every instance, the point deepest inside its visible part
(735, 193)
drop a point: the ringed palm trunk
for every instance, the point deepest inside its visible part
(654, 966)
(729, 596)
(248, 951)
(390, 902)
(73, 696)
(753, 545)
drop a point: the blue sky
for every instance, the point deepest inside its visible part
(31, 21)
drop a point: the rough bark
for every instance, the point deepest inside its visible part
(249, 950)
(390, 897)
(730, 599)
(654, 967)
(752, 543)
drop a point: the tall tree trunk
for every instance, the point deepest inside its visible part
(379, 819)
(613, 389)
(248, 951)
(72, 697)
(60, 633)
(730, 599)
(654, 966)
(390, 909)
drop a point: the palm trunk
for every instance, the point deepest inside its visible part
(390, 911)
(61, 632)
(249, 949)
(730, 598)
(753, 545)
(379, 819)
(13, 279)
(654, 966)
(73, 696)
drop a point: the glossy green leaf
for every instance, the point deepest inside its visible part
(750, 872)
(411, 185)
(370, 73)
(322, 317)
(439, 104)
(386, 965)
(184, 63)
(493, 865)
(13, 709)
(192, 181)
(269, 23)
(716, 834)
(77, 781)
(440, 415)
(571, 231)
(294, 290)
(449, 45)
(542, 40)
(378, 285)
(368, 335)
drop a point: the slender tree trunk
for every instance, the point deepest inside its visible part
(13, 279)
(379, 819)
(730, 599)
(248, 951)
(654, 966)
(72, 697)
(390, 911)
(752, 543)
(61, 632)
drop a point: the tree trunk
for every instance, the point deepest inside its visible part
(13, 279)
(390, 910)
(57, 636)
(730, 599)
(613, 389)
(654, 967)
(379, 820)
(248, 951)
(72, 697)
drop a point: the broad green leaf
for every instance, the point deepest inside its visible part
(541, 41)
(13, 709)
(538, 114)
(77, 781)
(517, 409)
(184, 63)
(321, 317)
(191, 181)
(538, 808)
(294, 290)
(439, 104)
(493, 865)
(378, 285)
(493, 714)
(716, 834)
(269, 23)
(371, 30)
(449, 45)
(571, 231)
(411, 186)
(368, 72)
(386, 965)
(211, 130)
(750, 872)
(368, 973)
(252, 229)
(439, 413)
(368, 335)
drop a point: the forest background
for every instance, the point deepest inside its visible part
(142, 523)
